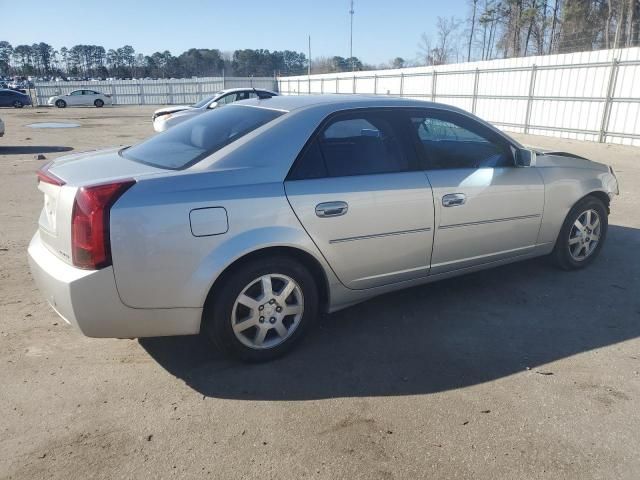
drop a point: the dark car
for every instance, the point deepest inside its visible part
(11, 98)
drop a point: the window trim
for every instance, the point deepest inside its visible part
(405, 138)
(441, 114)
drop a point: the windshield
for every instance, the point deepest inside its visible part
(189, 142)
(204, 101)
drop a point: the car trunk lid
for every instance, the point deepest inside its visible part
(60, 181)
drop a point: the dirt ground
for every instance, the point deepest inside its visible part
(521, 372)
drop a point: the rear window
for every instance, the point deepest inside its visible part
(189, 142)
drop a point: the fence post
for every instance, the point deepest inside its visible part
(434, 80)
(170, 99)
(375, 84)
(532, 86)
(401, 83)
(113, 94)
(474, 102)
(224, 80)
(298, 86)
(354, 84)
(611, 88)
(322, 85)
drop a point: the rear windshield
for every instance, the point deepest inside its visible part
(189, 142)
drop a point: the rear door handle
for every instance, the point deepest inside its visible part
(331, 209)
(454, 199)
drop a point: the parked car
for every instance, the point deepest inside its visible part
(12, 98)
(79, 98)
(248, 221)
(166, 117)
(1, 128)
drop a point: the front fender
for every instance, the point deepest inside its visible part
(564, 187)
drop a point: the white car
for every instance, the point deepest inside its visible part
(1, 128)
(166, 117)
(82, 97)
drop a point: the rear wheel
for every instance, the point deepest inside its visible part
(98, 103)
(582, 235)
(262, 309)
(61, 103)
(18, 104)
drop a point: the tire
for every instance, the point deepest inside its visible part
(61, 103)
(18, 104)
(98, 103)
(575, 247)
(225, 307)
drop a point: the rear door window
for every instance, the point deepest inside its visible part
(366, 142)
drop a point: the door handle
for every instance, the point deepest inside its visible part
(454, 199)
(331, 209)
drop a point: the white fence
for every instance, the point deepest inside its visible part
(585, 96)
(154, 92)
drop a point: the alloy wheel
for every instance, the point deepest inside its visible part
(584, 235)
(267, 311)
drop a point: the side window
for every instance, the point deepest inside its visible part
(454, 141)
(77, 92)
(363, 143)
(244, 95)
(230, 98)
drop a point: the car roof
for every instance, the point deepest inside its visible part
(337, 102)
(331, 103)
(12, 91)
(245, 89)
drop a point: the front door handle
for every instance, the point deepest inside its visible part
(331, 209)
(454, 199)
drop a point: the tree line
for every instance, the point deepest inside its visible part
(492, 29)
(42, 60)
(516, 28)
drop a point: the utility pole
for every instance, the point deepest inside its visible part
(309, 65)
(351, 12)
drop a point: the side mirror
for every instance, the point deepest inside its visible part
(523, 157)
(213, 105)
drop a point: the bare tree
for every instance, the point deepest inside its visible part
(445, 30)
(473, 26)
(425, 55)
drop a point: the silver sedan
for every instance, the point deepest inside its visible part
(246, 222)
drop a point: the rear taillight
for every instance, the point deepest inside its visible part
(44, 175)
(90, 240)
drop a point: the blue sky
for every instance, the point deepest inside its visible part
(383, 29)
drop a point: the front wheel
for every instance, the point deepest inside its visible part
(61, 104)
(98, 103)
(262, 309)
(582, 235)
(18, 104)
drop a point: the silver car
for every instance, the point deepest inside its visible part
(167, 117)
(246, 222)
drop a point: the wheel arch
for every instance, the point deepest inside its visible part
(305, 258)
(598, 194)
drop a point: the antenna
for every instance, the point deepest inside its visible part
(351, 12)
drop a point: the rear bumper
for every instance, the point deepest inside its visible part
(88, 300)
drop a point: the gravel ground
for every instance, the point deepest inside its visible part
(520, 372)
